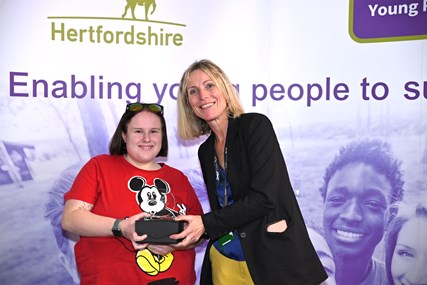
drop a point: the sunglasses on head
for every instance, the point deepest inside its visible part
(136, 107)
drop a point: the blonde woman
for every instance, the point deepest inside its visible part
(256, 229)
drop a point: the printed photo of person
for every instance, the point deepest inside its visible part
(405, 246)
(325, 255)
(53, 212)
(361, 182)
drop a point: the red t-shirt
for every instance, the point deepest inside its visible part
(118, 189)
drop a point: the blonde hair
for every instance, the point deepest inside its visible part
(189, 125)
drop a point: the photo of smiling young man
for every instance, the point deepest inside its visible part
(359, 185)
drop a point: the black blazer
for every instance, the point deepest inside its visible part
(263, 195)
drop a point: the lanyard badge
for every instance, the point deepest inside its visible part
(226, 239)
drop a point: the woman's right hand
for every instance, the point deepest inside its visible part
(192, 232)
(127, 227)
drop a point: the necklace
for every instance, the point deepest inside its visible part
(218, 180)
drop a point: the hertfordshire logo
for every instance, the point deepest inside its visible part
(123, 28)
(131, 4)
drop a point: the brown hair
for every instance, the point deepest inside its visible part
(118, 145)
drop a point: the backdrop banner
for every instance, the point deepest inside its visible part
(343, 82)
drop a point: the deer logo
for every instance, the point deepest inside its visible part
(132, 4)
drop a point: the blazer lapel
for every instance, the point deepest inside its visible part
(233, 155)
(208, 161)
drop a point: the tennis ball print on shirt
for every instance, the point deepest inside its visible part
(153, 264)
(153, 199)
